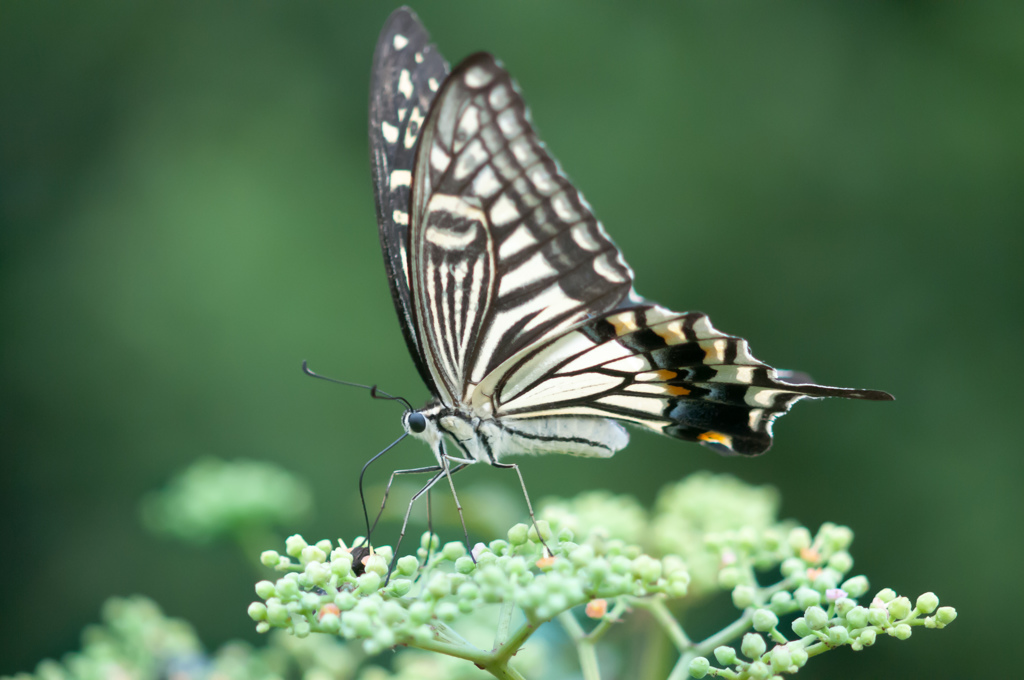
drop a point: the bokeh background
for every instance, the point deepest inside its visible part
(187, 214)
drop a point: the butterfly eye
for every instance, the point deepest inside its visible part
(417, 423)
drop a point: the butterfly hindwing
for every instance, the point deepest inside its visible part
(505, 251)
(407, 73)
(670, 372)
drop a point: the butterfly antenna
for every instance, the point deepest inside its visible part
(374, 392)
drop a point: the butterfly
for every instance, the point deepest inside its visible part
(516, 306)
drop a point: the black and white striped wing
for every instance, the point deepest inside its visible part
(407, 73)
(505, 252)
(671, 372)
(526, 309)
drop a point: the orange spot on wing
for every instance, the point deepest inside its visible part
(665, 374)
(676, 390)
(716, 437)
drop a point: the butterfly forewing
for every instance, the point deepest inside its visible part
(407, 74)
(506, 252)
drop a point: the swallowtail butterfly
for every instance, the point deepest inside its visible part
(518, 310)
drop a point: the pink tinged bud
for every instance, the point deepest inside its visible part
(833, 594)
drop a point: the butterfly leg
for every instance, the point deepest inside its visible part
(446, 472)
(529, 506)
(387, 490)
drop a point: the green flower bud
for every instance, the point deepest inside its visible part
(453, 550)
(878, 617)
(369, 582)
(856, 586)
(781, 658)
(345, 601)
(799, 539)
(759, 671)
(518, 534)
(582, 555)
(407, 565)
(309, 602)
(841, 561)
(257, 611)
(753, 646)
(543, 527)
(857, 617)
(945, 615)
(262, 627)
(376, 564)
(294, 545)
(277, 613)
(844, 606)
(301, 628)
(799, 656)
(900, 608)
(730, 577)
(342, 566)
(867, 637)
(318, 573)
(781, 598)
(927, 603)
(886, 595)
(816, 618)
(743, 596)
(465, 565)
(420, 612)
(838, 635)
(726, 655)
(646, 568)
(903, 632)
(622, 564)
(447, 611)
(372, 647)
(330, 623)
(836, 537)
(792, 567)
(807, 597)
(438, 586)
(287, 588)
(765, 620)
(800, 626)
(270, 558)
(499, 547)
(699, 667)
(399, 587)
(265, 589)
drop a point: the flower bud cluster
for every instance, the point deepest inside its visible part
(323, 592)
(215, 498)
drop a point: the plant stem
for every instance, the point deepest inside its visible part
(584, 646)
(656, 606)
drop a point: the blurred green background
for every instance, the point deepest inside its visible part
(187, 214)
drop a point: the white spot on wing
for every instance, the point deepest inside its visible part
(519, 240)
(486, 183)
(389, 132)
(605, 270)
(399, 41)
(471, 158)
(399, 178)
(564, 388)
(533, 270)
(432, 84)
(499, 97)
(584, 239)
(504, 211)
(563, 208)
(439, 160)
(400, 217)
(509, 123)
(405, 83)
(477, 77)
(601, 354)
